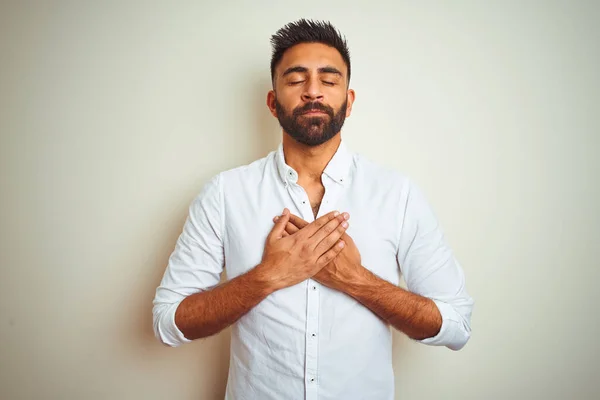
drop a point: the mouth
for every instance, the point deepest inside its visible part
(313, 112)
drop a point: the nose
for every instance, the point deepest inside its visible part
(312, 90)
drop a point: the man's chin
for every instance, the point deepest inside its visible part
(312, 140)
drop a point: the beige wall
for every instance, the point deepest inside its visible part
(114, 114)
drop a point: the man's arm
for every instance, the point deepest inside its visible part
(189, 304)
(416, 316)
(207, 313)
(195, 265)
(430, 270)
(286, 262)
(436, 309)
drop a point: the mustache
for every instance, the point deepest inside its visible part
(313, 106)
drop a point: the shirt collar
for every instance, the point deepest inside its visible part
(338, 168)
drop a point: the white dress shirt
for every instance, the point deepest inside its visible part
(308, 341)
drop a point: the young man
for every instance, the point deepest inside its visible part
(311, 297)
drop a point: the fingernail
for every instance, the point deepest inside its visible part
(341, 244)
(335, 214)
(285, 211)
(276, 218)
(345, 224)
(346, 216)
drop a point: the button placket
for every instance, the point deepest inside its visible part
(312, 329)
(329, 197)
(298, 194)
(307, 207)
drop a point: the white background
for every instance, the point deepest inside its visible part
(114, 114)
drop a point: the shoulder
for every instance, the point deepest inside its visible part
(248, 172)
(228, 182)
(369, 170)
(215, 183)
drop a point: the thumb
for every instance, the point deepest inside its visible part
(279, 228)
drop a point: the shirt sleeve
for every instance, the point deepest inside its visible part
(431, 270)
(195, 264)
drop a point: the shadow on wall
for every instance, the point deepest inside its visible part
(267, 130)
(211, 355)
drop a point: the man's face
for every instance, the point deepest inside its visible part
(310, 97)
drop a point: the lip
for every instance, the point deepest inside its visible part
(313, 112)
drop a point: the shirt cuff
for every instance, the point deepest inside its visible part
(168, 332)
(447, 333)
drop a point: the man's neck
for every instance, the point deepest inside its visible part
(309, 161)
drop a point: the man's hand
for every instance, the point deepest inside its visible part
(291, 258)
(344, 268)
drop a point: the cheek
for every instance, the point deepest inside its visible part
(289, 107)
(284, 100)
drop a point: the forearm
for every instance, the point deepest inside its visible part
(206, 313)
(417, 316)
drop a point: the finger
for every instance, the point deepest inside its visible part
(285, 234)
(331, 254)
(317, 224)
(328, 236)
(289, 227)
(329, 227)
(279, 228)
(297, 221)
(346, 238)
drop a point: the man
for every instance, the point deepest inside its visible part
(311, 298)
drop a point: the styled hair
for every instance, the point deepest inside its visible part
(307, 31)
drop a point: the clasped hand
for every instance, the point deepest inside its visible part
(346, 263)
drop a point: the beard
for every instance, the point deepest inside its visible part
(311, 130)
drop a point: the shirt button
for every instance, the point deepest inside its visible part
(314, 335)
(314, 288)
(312, 379)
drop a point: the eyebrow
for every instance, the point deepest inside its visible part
(322, 70)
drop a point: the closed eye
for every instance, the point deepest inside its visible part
(328, 83)
(295, 82)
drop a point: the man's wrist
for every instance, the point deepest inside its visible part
(362, 280)
(264, 279)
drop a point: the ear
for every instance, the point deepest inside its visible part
(271, 96)
(351, 95)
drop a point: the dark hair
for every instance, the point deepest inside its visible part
(307, 31)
